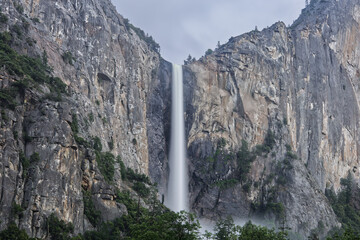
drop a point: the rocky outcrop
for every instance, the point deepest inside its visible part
(116, 85)
(158, 122)
(299, 82)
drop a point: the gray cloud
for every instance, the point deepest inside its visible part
(184, 27)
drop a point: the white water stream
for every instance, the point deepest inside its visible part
(177, 192)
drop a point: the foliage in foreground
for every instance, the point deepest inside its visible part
(227, 230)
(93, 215)
(59, 229)
(158, 222)
(14, 233)
(141, 223)
(349, 234)
(346, 204)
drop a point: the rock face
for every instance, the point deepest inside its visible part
(302, 84)
(271, 117)
(117, 86)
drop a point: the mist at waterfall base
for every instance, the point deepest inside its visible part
(177, 191)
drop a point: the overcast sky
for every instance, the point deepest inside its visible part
(184, 27)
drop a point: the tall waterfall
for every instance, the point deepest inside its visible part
(177, 193)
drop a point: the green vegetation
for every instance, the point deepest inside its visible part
(16, 135)
(4, 117)
(81, 141)
(32, 71)
(139, 180)
(27, 138)
(90, 212)
(68, 58)
(145, 37)
(227, 230)
(239, 162)
(244, 160)
(246, 187)
(348, 234)
(131, 205)
(141, 189)
(137, 177)
(208, 52)
(25, 163)
(91, 117)
(6, 38)
(227, 183)
(35, 20)
(18, 30)
(3, 18)
(17, 210)
(30, 41)
(157, 222)
(44, 57)
(141, 223)
(267, 202)
(167, 225)
(19, 8)
(346, 204)
(106, 163)
(104, 120)
(111, 144)
(74, 124)
(75, 129)
(12, 232)
(35, 157)
(285, 121)
(122, 168)
(189, 60)
(8, 97)
(97, 144)
(268, 145)
(58, 229)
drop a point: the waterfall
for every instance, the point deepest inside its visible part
(177, 192)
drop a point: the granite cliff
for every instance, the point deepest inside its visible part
(289, 96)
(271, 117)
(111, 74)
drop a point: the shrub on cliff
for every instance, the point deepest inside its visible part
(145, 37)
(141, 189)
(244, 160)
(106, 163)
(58, 229)
(32, 71)
(90, 212)
(14, 233)
(3, 18)
(346, 204)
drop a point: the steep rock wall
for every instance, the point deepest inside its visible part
(113, 79)
(299, 83)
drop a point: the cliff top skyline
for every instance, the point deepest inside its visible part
(187, 27)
